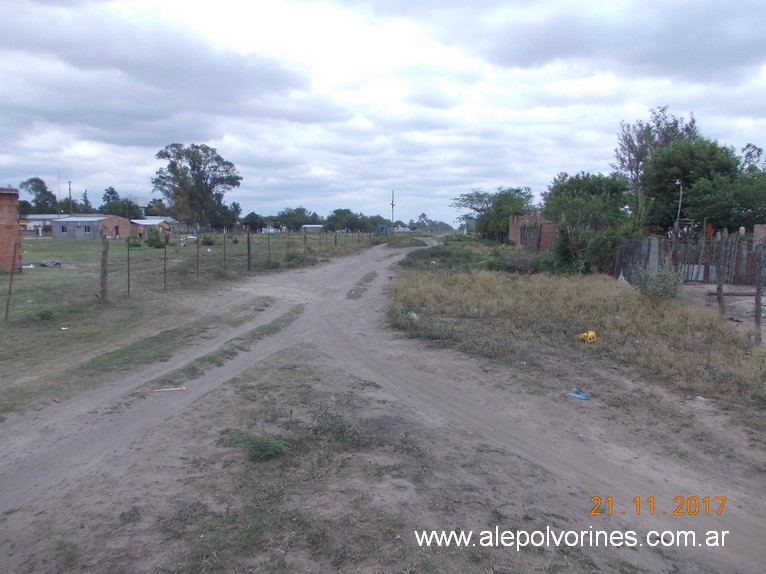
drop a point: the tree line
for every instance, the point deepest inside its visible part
(192, 184)
(667, 179)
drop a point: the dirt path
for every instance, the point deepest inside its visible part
(628, 441)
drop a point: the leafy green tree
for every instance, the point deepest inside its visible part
(109, 198)
(43, 200)
(491, 211)
(25, 208)
(293, 219)
(637, 142)
(123, 208)
(706, 170)
(68, 205)
(85, 205)
(157, 207)
(225, 216)
(590, 213)
(254, 221)
(587, 200)
(344, 219)
(194, 181)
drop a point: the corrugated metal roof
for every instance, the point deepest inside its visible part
(82, 219)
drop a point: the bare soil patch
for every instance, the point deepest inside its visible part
(385, 436)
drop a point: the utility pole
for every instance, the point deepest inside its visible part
(677, 228)
(392, 211)
(70, 197)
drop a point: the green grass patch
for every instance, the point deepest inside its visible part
(90, 338)
(259, 446)
(361, 286)
(227, 352)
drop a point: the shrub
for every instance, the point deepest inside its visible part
(153, 239)
(208, 240)
(665, 282)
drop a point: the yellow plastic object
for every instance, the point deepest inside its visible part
(588, 336)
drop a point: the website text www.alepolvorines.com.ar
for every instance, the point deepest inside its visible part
(591, 537)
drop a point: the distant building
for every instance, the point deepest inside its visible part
(312, 228)
(40, 223)
(89, 226)
(141, 227)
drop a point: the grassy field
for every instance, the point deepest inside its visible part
(58, 327)
(453, 295)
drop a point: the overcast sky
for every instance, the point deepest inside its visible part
(334, 104)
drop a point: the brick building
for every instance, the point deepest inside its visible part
(10, 234)
(531, 231)
(89, 226)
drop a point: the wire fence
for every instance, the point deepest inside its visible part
(68, 272)
(733, 258)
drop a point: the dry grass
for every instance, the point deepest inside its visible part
(511, 317)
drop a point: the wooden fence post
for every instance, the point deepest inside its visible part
(719, 276)
(104, 265)
(758, 286)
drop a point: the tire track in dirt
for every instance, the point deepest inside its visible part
(441, 385)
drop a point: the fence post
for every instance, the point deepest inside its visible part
(104, 265)
(758, 286)
(719, 275)
(249, 253)
(10, 283)
(708, 251)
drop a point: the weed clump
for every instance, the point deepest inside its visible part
(258, 447)
(664, 283)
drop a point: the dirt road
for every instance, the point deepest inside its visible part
(501, 446)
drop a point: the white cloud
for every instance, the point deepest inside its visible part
(333, 104)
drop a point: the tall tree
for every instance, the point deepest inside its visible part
(705, 169)
(25, 207)
(587, 200)
(589, 212)
(68, 205)
(637, 142)
(491, 211)
(293, 219)
(194, 181)
(85, 203)
(123, 208)
(156, 207)
(43, 200)
(254, 221)
(110, 197)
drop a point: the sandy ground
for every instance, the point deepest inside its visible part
(389, 436)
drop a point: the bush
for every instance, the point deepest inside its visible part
(134, 241)
(208, 240)
(665, 282)
(153, 239)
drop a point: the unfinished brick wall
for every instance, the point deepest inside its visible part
(531, 231)
(10, 233)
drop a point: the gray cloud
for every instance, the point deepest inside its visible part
(528, 90)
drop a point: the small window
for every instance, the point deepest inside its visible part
(86, 228)
(63, 229)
